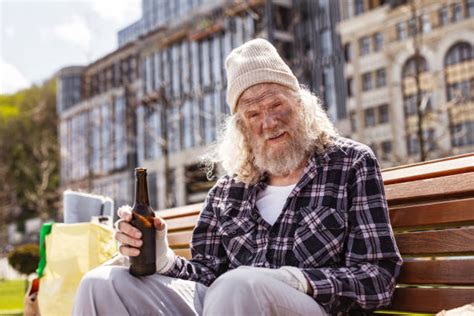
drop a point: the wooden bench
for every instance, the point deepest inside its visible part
(432, 213)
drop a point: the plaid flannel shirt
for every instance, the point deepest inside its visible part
(334, 227)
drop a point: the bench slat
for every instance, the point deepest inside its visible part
(430, 300)
(424, 190)
(454, 272)
(181, 223)
(430, 169)
(180, 239)
(443, 213)
(186, 253)
(448, 241)
(192, 209)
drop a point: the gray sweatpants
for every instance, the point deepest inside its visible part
(111, 290)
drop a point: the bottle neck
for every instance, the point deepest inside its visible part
(141, 190)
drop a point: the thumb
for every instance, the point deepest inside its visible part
(160, 224)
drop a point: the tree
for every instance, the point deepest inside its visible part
(417, 42)
(25, 258)
(29, 153)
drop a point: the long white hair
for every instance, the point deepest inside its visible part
(234, 152)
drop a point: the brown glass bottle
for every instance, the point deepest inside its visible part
(142, 218)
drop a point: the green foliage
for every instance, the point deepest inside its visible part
(24, 258)
(29, 153)
(8, 111)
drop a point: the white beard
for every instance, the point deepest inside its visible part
(281, 162)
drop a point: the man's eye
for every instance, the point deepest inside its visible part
(253, 115)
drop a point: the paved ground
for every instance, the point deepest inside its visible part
(6, 271)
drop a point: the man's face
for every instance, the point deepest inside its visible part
(273, 127)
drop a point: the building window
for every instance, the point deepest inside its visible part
(326, 43)
(460, 92)
(386, 149)
(462, 134)
(459, 89)
(413, 145)
(158, 72)
(350, 9)
(166, 67)
(412, 27)
(378, 41)
(353, 119)
(208, 117)
(470, 8)
(458, 54)
(195, 66)
(359, 7)
(188, 121)
(364, 46)
(350, 90)
(410, 68)
(409, 73)
(430, 137)
(176, 70)
(380, 78)
(425, 22)
(401, 31)
(174, 128)
(348, 52)
(120, 133)
(198, 121)
(153, 189)
(383, 114)
(409, 104)
(457, 12)
(443, 16)
(216, 60)
(367, 81)
(151, 137)
(185, 69)
(205, 63)
(374, 148)
(330, 91)
(369, 117)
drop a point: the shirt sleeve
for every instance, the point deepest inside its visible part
(209, 259)
(372, 260)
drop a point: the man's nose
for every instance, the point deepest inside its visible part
(269, 121)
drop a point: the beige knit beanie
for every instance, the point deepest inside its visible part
(256, 61)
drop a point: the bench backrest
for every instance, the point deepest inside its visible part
(432, 213)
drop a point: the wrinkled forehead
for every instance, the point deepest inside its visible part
(262, 93)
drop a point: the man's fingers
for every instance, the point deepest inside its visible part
(129, 251)
(125, 212)
(123, 226)
(127, 240)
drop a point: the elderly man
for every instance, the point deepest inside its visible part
(298, 226)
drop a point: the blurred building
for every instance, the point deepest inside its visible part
(159, 99)
(403, 53)
(97, 131)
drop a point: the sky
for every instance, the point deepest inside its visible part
(38, 37)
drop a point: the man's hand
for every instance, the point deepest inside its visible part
(128, 236)
(129, 239)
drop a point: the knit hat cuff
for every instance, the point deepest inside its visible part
(260, 75)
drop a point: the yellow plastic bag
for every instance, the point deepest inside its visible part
(71, 251)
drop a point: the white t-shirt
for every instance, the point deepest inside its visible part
(270, 201)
